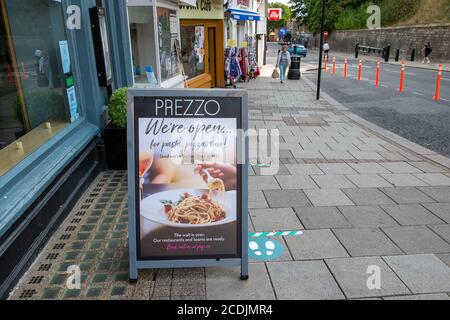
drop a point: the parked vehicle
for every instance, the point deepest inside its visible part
(300, 50)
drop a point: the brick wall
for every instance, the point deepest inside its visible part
(403, 38)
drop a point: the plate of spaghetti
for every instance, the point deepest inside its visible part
(190, 208)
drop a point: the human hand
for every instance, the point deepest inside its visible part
(226, 172)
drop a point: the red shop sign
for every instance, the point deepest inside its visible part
(275, 14)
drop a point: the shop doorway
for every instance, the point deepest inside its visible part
(202, 52)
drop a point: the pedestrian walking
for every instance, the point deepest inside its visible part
(284, 62)
(427, 50)
(326, 49)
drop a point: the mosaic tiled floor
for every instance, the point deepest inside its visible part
(93, 237)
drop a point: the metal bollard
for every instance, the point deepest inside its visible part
(387, 53)
(413, 54)
(397, 55)
(357, 51)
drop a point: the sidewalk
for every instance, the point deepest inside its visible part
(364, 197)
(415, 64)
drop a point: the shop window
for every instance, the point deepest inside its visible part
(147, 34)
(142, 41)
(193, 50)
(168, 43)
(37, 92)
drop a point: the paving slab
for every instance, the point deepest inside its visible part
(280, 219)
(428, 167)
(367, 155)
(352, 276)
(366, 242)
(445, 257)
(322, 218)
(295, 182)
(333, 181)
(369, 181)
(225, 284)
(263, 183)
(336, 168)
(443, 230)
(303, 280)
(434, 179)
(400, 167)
(440, 194)
(368, 197)
(337, 155)
(286, 198)
(369, 168)
(367, 217)
(328, 198)
(407, 195)
(315, 244)
(416, 240)
(404, 180)
(303, 169)
(421, 273)
(435, 296)
(256, 200)
(411, 215)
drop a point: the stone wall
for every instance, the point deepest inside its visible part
(403, 38)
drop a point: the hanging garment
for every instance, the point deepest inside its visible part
(235, 71)
(243, 53)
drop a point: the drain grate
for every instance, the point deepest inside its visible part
(59, 246)
(45, 267)
(52, 256)
(36, 280)
(27, 294)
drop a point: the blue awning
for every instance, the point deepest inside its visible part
(238, 14)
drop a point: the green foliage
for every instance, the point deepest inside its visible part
(285, 17)
(41, 105)
(117, 108)
(353, 18)
(351, 14)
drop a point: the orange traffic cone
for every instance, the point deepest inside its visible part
(402, 78)
(345, 68)
(437, 95)
(360, 70)
(377, 78)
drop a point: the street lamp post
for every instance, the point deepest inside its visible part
(322, 30)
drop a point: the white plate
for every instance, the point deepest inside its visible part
(152, 208)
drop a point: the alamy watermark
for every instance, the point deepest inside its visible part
(374, 280)
(374, 21)
(73, 21)
(74, 280)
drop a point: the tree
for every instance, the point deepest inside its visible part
(286, 16)
(299, 10)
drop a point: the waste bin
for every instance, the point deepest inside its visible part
(294, 70)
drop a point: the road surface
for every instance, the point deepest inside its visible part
(412, 114)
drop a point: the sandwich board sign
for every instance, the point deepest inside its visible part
(187, 179)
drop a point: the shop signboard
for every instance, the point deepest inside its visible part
(275, 14)
(187, 179)
(204, 9)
